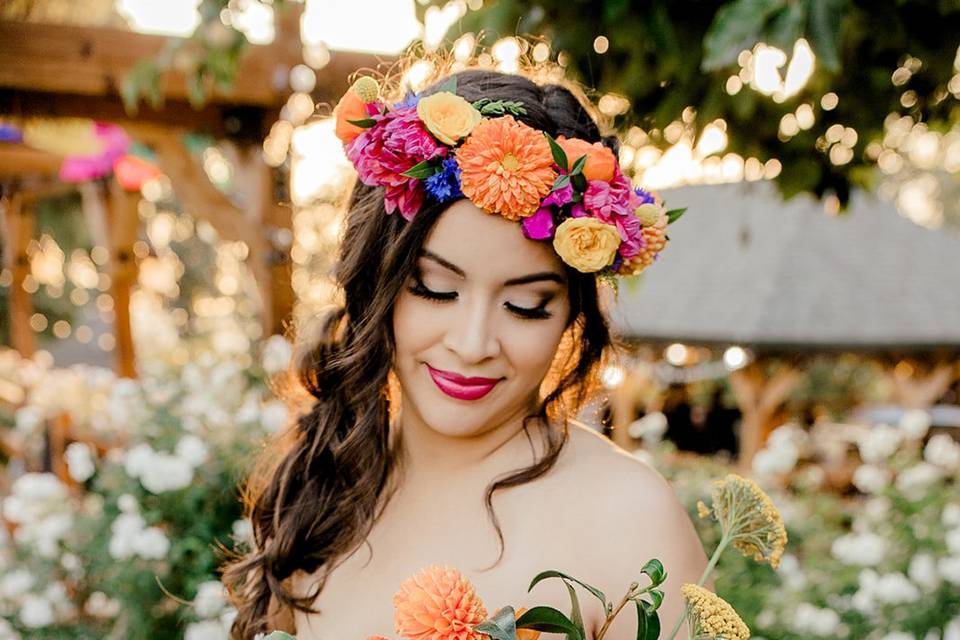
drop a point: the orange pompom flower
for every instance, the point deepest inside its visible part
(506, 167)
(600, 164)
(438, 603)
(353, 106)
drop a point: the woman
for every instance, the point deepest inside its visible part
(445, 381)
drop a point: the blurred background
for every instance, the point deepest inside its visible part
(172, 202)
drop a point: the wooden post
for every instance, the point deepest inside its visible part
(18, 217)
(918, 389)
(267, 206)
(758, 398)
(122, 224)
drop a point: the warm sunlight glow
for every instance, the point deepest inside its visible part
(170, 18)
(376, 26)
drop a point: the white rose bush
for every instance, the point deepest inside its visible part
(128, 544)
(880, 561)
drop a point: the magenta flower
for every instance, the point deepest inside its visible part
(608, 199)
(113, 145)
(631, 235)
(540, 225)
(381, 153)
(559, 197)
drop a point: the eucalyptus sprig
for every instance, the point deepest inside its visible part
(488, 107)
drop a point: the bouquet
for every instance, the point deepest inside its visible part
(439, 603)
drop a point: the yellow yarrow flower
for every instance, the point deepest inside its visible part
(748, 519)
(711, 617)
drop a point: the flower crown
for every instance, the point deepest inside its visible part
(566, 190)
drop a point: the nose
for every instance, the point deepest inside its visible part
(472, 335)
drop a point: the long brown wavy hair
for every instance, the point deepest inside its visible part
(317, 492)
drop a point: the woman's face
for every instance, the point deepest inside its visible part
(478, 323)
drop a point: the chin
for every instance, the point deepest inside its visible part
(454, 423)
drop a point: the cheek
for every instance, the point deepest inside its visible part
(532, 345)
(414, 326)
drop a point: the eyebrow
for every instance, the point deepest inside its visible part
(542, 276)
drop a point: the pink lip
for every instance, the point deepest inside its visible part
(462, 387)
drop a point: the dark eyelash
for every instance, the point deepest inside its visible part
(538, 313)
(419, 289)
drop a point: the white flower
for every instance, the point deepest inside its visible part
(898, 635)
(952, 630)
(915, 423)
(151, 544)
(781, 452)
(650, 427)
(128, 504)
(913, 482)
(28, 419)
(79, 457)
(896, 588)
(228, 616)
(100, 605)
(125, 529)
(15, 583)
(166, 473)
(877, 508)
(243, 532)
(137, 460)
(859, 549)
(7, 632)
(206, 630)
(953, 541)
(879, 443)
(951, 515)
(210, 599)
(277, 351)
(949, 568)
(870, 478)
(273, 416)
(942, 451)
(192, 450)
(774, 461)
(789, 571)
(36, 611)
(923, 571)
(816, 621)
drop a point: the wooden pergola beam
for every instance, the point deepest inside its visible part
(93, 61)
(17, 161)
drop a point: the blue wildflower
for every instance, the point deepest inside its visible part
(645, 196)
(410, 100)
(444, 185)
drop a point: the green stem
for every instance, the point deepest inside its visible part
(627, 598)
(613, 615)
(706, 574)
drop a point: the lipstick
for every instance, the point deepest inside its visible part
(461, 387)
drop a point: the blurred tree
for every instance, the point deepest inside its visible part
(879, 57)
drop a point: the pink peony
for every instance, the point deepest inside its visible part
(608, 199)
(381, 153)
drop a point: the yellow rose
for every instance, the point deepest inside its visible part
(448, 116)
(586, 244)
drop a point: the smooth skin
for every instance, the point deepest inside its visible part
(487, 302)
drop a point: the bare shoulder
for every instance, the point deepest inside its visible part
(630, 514)
(597, 462)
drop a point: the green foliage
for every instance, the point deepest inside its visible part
(665, 56)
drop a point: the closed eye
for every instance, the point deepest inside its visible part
(539, 312)
(421, 290)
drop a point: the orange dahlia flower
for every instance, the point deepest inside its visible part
(437, 603)
(506, 167)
